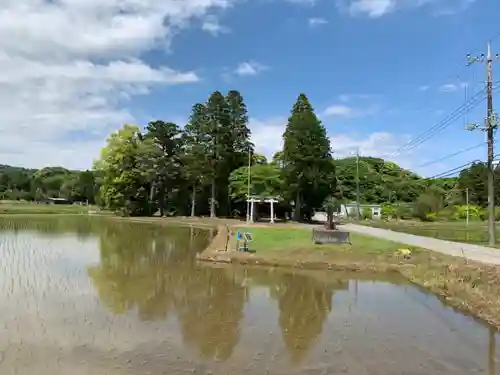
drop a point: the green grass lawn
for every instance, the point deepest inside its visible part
(26, 208)
(476, 232)
(280, 240)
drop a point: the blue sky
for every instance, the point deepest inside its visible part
(378, 72)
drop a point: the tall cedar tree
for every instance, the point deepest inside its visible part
(166, 137)
(197, 151)
(309, 172)
(217, 123)
(226, 142)
(237, 144)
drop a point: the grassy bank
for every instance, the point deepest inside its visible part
(471, 287)
(476, 232)
(26, 208)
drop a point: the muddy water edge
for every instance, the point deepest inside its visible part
(97, 296)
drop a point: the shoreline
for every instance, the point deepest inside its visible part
(462, 297)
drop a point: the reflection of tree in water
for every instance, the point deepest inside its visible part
(210, 313)
(51, 227)
(304, 304)
(155, 273)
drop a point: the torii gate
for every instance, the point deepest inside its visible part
(257, 199)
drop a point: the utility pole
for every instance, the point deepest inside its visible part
(248, 183)
(467, 203)
(357, 185)
(491, 123)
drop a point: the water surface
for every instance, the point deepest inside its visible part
(98, 296)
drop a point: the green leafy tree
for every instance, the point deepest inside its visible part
(259, 159)
(427, 205)
(265, 181)
(125, 169)
(309, 174)
(367, 213)
(278, 159)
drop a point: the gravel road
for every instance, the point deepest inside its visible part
(472, 252)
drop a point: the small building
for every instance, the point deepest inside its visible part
(55, 201)
(349, 210)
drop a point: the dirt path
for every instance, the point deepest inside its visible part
(472, 252)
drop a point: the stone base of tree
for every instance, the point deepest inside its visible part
(328, 236)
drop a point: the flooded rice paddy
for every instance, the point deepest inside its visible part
(82, 296)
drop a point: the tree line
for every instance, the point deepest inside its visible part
(26, 184)
(202, 169)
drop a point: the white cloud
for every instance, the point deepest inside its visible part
(338, 111)
(379, 8)
(451, 87)
(267, 135)
(69, 67)
(377, 144)
(424, 88)
(212, 26)
(448, 88)
(316, 21)
(249, 68)
(342, 110)
(372, 8)
(348, 97)
(303, 2)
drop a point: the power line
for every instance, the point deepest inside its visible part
(453, 171)
(477, 99)
(452, 155)
(446, 122)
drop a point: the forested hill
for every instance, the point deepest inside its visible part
(383, 181)
(29, 184)
(380, 181)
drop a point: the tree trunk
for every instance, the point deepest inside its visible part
(162, 203)
(193, 201)
(212, 200)
(296, 214)
(151, 200)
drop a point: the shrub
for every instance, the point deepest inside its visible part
(447, 214)
(431, 216)
(474, 212)
(426, 204)
(403, 211)
(367, 213)
(388, 211)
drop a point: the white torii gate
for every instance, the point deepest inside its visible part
(256, 199)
